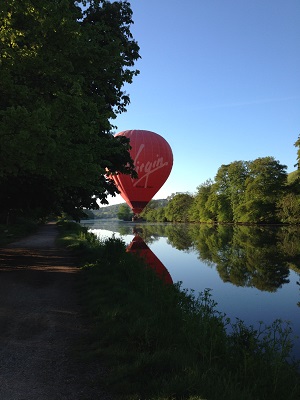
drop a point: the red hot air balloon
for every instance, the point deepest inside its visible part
(153, 161)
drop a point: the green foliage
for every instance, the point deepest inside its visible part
(163, 342)
(125, 213)
(293, 176)
(258, 256)
(242, 192)
(106, 212)
(251, 256)
(154, 208)
(265, 183)
(155, 211)
(297, 144)
(62, 70)
(288, 207)
(160, 341)
(85, 245)
(230, 188)
(178, 207)
(199, 210)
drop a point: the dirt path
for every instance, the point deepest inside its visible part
(41, 325)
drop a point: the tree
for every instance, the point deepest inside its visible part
(125, 213)
(219, 206)
(288, 208)
(178, 207)
(62, 70)
(155, 211)
(294, 177)
(199, 211)
(265, 184)
(230, 188)
(297, 144)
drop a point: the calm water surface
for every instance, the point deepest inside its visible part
(253, 272)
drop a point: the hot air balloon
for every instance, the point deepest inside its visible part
(139, 247)
(153, 161)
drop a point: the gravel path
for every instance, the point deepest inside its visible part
(41, 324)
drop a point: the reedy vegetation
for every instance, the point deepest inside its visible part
(161, 342)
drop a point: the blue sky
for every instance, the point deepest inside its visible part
(219, 80)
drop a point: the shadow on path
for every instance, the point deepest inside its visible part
(41, 324)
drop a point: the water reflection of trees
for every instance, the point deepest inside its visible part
(253, 256)
(289, 244)
(244, 255)
(176, 234)
(179, 237)
(149, 232)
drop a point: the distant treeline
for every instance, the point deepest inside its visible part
(119, 211)
(103, 212)
(258, 191)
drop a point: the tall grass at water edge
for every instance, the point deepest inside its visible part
(162, 342)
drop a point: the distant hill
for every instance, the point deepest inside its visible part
(104, 212)
(112, 211)
(292, 176)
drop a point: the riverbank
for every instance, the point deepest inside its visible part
(142, 339)
(43, 329)
(161, 342)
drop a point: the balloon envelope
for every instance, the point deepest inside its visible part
(153, 161)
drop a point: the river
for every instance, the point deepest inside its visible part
(253, 271)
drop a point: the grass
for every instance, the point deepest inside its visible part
(12, 232)
(161, 342)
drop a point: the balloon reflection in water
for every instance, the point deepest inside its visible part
(139, 247)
